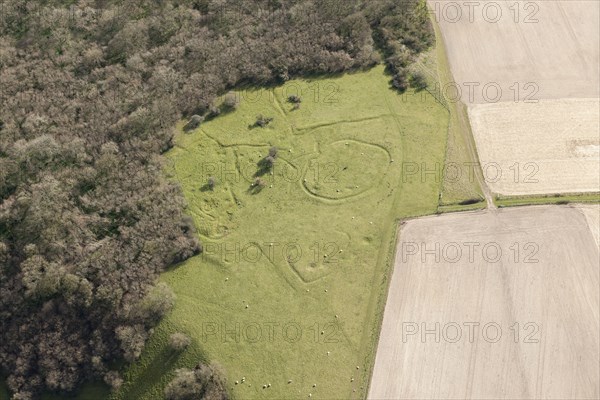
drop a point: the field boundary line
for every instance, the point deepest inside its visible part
(464, 125)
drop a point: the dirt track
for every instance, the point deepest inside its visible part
(555, 301)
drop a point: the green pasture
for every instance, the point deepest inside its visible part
(289, 291)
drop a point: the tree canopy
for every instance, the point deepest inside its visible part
(90, 91)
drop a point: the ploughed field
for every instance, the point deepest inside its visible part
(504, 303)
(528, 72)
(493, 305)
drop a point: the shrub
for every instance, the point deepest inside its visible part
(114, 380)
(281, 73)
(269, 162)
(213, 112)
(273, 152)
(231, 102)
(179, 341)
(294, 99)
(184, 386)
(400, 82)
(155, 304)
(418, 81)
(262, 121)
(132, 340)
(259, 183)
(193, 123)
(203, 382)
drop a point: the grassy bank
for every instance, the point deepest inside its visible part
(458, 184)
(512, 201)
(293, 278)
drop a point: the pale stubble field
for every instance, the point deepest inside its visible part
(528, 72)
(504, 303)
(549, 147)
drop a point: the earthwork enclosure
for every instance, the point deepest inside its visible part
(291, 284)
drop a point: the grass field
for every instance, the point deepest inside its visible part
(293, 278)
(457, 184)
(512, 201)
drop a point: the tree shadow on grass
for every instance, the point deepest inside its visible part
(207, 188)
(153, 373)
(264, 167)
(255, 188)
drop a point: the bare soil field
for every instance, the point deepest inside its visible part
(592, 215)
(529, 73)
(549, 147)
(553, 45)
(493, 305)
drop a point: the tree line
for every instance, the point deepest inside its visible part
(90, 91)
